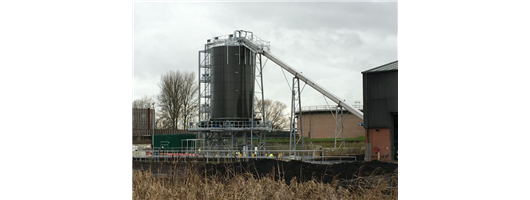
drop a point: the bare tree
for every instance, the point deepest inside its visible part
(161, 122)
(170, 87)
(177, 98)
(188, 98)
(144, 102)
(274, 111)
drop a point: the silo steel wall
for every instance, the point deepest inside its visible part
(232, 86)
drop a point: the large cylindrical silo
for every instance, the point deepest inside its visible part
(232, 86)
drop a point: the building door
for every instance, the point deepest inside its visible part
(395, 136)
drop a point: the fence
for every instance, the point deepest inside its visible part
(195, 154)
(147, 132)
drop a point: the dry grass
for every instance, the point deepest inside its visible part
(190, 184)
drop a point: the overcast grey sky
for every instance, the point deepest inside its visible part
(330, 43)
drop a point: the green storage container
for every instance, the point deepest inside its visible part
(173, 140)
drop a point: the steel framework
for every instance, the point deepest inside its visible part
(296, 104)
(226, 134)
(230, 134)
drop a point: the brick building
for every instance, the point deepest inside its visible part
(319, 122)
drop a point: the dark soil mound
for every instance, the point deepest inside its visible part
(280, 169)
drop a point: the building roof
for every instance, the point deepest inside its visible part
(393, 66)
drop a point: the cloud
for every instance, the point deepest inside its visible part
(330, 43)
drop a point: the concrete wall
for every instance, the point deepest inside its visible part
(322, 125)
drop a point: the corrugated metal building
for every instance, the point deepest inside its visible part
(142, 119)
(142, 123)
(380, 99)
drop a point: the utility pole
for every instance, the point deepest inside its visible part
(153, 133)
